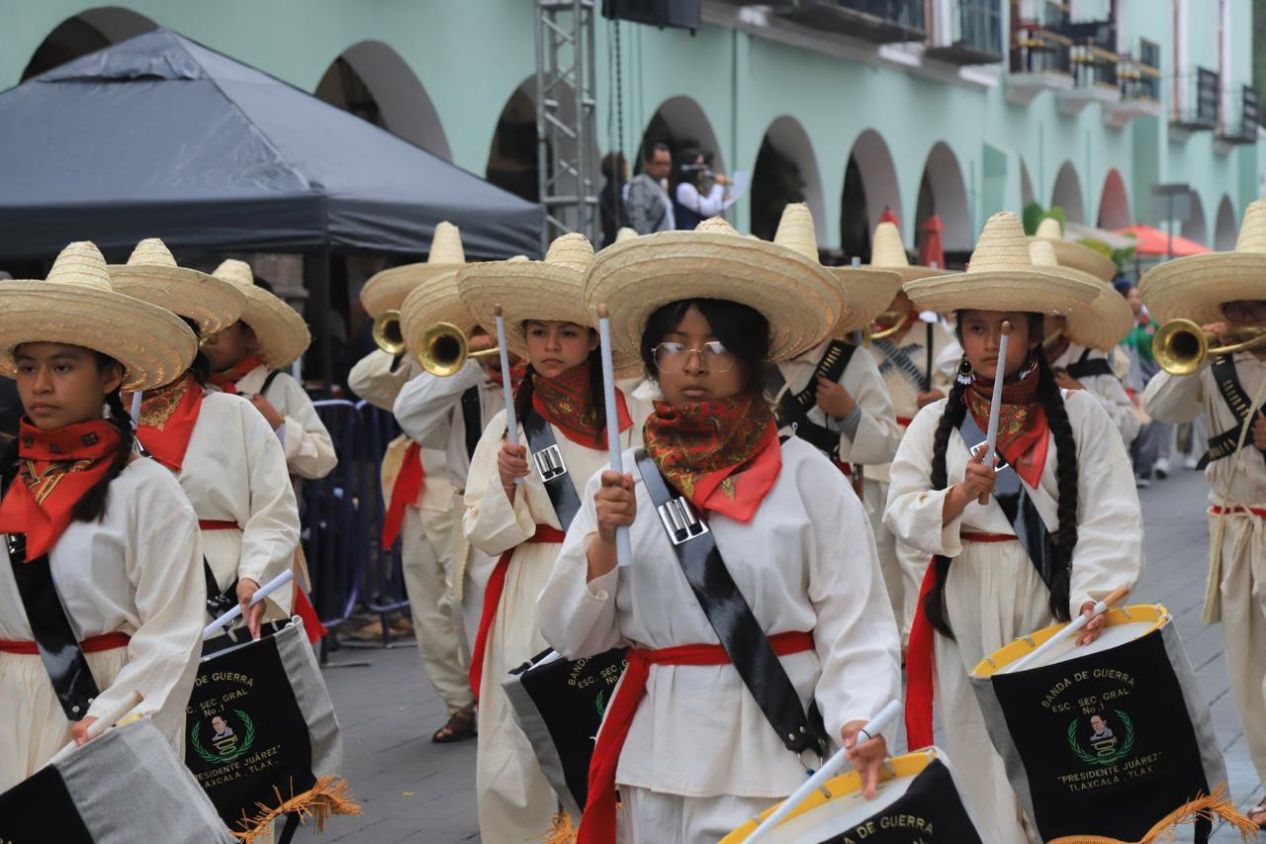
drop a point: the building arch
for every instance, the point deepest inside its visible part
(943, 191)
(513, 164)
(680, 121)
(84, 33)
(786, 170)
(1027, 195)
(1067, 194)
(1114, 203)
(1194, 227)
(1225, 230)
(870, 189)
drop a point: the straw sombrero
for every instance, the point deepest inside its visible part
(625, 233)
(801, 300)
(387, 290)
(151, 274)
(436, 301)
(1001, 277)
(1075, 255)
(1105, 321)
(530, 290)
(1196, 287)
(77, 305)
(279, 329)
(866, 293)
(887, 252)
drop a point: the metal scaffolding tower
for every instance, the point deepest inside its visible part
(566, 118)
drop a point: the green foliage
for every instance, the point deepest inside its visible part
(1032, 216)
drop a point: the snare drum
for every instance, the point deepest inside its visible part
(126, 786)
(1110, 739)
(917, 800)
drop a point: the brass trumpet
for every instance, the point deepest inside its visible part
(1182, 347)
(885, 325)
(387, 333)
(445, 350)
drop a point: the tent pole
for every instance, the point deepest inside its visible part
(316, 270)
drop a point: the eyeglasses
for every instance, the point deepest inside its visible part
(713, 356)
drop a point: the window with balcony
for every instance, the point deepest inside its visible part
(1240, 127)
(1196, 107)
(877, 21)
(976, 34)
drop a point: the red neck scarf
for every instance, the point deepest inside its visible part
(227, 380)
(722, 455)
(167, 419)
(1022, 424)
(566, 403)
(55, 469)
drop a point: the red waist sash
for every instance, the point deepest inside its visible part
(1219, 510)
(597, 824)
(91, 645)
(492, 599)
(217, 524)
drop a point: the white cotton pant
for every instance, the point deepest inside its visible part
(1243, 593)
(426, 554)
(652, 817)
(993, 596)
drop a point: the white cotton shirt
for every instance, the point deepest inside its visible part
(706, 206)
(805, 562)
(308, 447)
(1108, 389)
(429, 410)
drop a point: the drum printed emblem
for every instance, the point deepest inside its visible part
(1100, 735)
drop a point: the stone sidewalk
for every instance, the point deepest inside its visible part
(416, 791)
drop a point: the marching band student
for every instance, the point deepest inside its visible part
(101, 585)
(419, 490)
(848, 417)
(512, 512)
(1223, 292)
(248, 359)
(1071, 494)
(693, 752)
(229, 462)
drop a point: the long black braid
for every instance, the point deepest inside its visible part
(92, 506)
(523, 396)
(1064, 539)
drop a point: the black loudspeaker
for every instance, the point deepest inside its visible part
(683, 14)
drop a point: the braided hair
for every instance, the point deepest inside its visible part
(1064, 538)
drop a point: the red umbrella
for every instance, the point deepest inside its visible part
(933, 254)
(1152, 242)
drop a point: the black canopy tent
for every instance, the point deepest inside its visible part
(159, 136)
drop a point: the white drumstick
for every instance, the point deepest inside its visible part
(829, 769)
(995, 404)
(1070, 629)
(507, 387)
(623, 550)
(214, 628)
(105, 722)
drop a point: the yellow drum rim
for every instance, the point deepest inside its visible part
(1153, 614)
(906, 765)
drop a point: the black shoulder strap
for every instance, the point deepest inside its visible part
(50, 627)
(548, 459)
(268, 380)
(732, 619)
(472, 419)
(1223, 444)
(793, 409)
(218, 602)
(1084, 367)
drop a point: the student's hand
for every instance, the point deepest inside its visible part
(834, 400)
(1093, 628)
(246, 589)
(270, 413)
(1066, 381)
(1259, 430)
(79, 730)
(511, 463)
(866, 757)
(979, 479)
(615, 503)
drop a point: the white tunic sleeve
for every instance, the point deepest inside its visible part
(270, 533)
(914, 511)
(706, 206)
(492, 523)
(1175, 398)
(377, 378)
(424, 406)
(877, 434)
(1116, 403)
(309, 449)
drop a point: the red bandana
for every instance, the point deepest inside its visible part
(722, 455)
(566, 403)
(56, 469)
(227, 380)
(167, 419)
(1022, 425)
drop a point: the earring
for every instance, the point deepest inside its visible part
(964, 375)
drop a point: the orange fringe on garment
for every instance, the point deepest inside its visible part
(328, 797)
(562, 832)
(1210, 807)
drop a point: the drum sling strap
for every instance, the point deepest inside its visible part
(1014, 499)
(1223, 444)
(793, 409)
(549, 462)
(1084, 367)
(730, 616)
(472, 417)
(51, 629)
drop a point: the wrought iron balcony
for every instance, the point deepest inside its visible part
(1196, 109)
(876, 21)
(1241, 128)
(977, 35)
(1139, 84)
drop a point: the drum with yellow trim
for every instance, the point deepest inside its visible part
(917, 801)
(1106, 742)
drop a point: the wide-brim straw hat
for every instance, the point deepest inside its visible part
(280, 331)
(1001, 277)
(799, 298)
(78, 306)
(151, 274)
(548, 290)
(887, 252)
(1075, 255)
(866, 293)
(387, 290)
(1099, 325)
(436, 301)
(1196, 287)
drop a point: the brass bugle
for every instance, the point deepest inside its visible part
(1181, 347)
(885, 325)
(445, 350)
(387, 334)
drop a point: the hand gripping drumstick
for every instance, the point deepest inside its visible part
(1071, 629)
(995, 404)
(507, 387)
(105, 722)
(829, 768)
(214, 628)
(623, 550)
